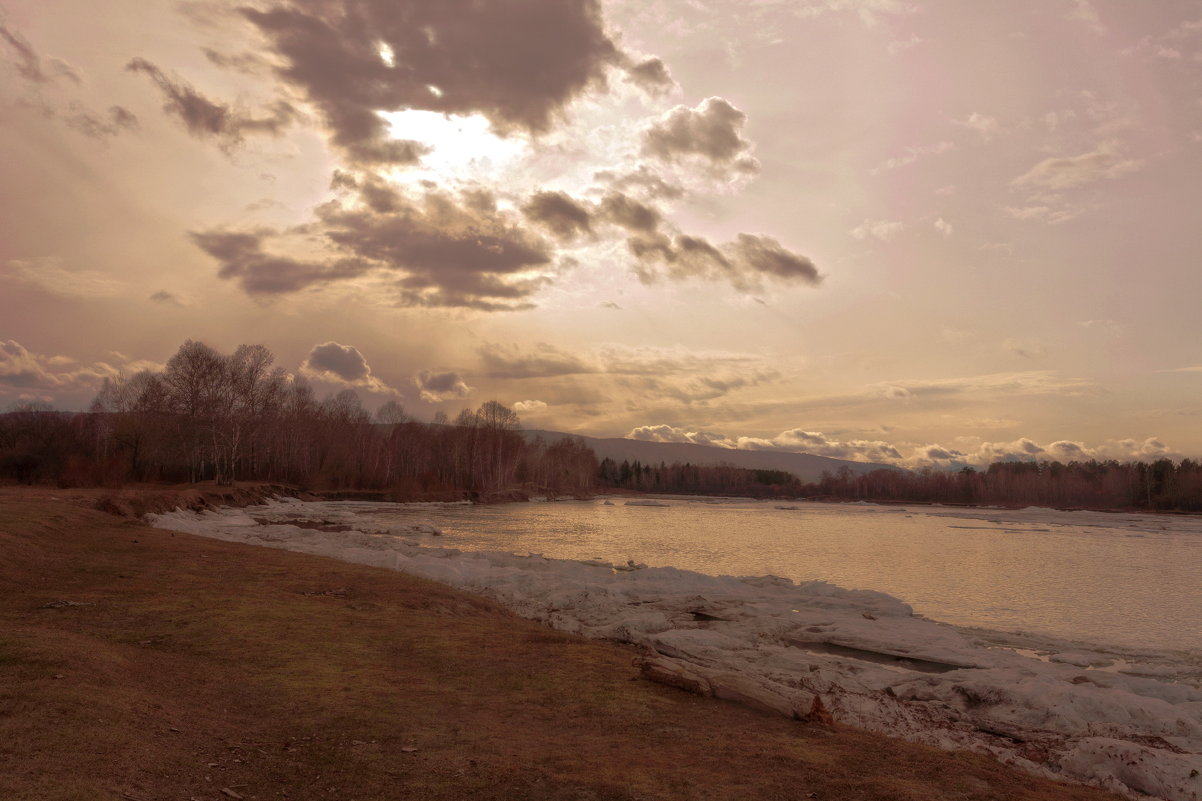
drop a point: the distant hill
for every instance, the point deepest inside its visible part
(805, 466)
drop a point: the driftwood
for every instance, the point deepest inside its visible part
(735, 687)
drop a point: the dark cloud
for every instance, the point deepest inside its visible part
(342, 364)
(711, 131)
(29, 63)
(763, 255)
(208, 118)
(437, 249)
(744, 263)
(452, 251)
(91, 124)
(546, 361)
(651, 75)
(439, 387)
(558, 213)
(630, 214)
(246, 63)
(517, 62)
(342, 361)
(386, 151)
(168, 298)
(242, 259)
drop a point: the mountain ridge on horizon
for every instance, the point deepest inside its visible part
(807, 467)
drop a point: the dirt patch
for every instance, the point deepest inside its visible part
(137, 663)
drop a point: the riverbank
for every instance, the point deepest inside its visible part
(138, 663)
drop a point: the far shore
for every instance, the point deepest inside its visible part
(138, 663)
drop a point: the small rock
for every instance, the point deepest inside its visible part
(408, 749)
(228, 792)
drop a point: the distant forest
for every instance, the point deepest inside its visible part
(208, 416)
(1161, 485)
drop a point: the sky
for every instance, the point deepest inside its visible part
(926, 233)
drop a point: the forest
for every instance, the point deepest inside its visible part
(1162, 485)
(209, 416)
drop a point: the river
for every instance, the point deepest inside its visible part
(1129, 580)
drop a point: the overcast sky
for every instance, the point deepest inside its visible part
(921, 232)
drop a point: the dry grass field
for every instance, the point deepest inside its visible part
(139, 664)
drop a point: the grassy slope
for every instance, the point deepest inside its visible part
(194, 666)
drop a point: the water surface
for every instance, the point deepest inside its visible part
(1111, 579)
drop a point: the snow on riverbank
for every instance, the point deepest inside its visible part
(776, 644)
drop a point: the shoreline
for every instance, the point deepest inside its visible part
(805, 651)
(139, 627)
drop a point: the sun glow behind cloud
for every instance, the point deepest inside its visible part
(461, 144)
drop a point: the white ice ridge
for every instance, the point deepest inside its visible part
(780, 645)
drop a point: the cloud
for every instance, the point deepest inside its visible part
(529, 406)
(1062, 213)
(22, 372)
(792, 441)
(985, 125)
(630, 214)
(666, 433)
(1084, 12)
(517, 62)
(48, 77)
(203, 117)
(912, 154)
(651, 75)
(1021, 449)
(744, 263)
(558, 213)
(91, 124)
(48, 275)
(697, 390)
(1030, 382)
(642, 180)
(1104, 162)
(1028, 349)
(439, 387)
(800, 441)
(943, 226)
(711, 131)
(342, 364)
(545, 361)
(243, 259)
(884, 230)
(434, 250)
(29, 63)
(169, 298)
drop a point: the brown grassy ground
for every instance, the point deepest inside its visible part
(185, 668)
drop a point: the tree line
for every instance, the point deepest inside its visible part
(692, 479)
(1162, 485)
(226, 417)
